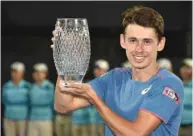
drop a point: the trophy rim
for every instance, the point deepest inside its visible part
(71, 18)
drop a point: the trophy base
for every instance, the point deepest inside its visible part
(72, 78)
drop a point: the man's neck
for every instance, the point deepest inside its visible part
(145, 74)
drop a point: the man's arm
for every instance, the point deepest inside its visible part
(65, 102)
(144, 125)
(150, 114)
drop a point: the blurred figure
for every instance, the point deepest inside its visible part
(126, 64)
(80, 122)
(97, 127)
(186, 75)
(165, 63)
(101, 67)
(63, 124)
(41, 103)
(15, 99)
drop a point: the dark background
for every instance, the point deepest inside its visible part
(27, 30)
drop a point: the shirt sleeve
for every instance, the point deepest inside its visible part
(164, 99)
(100, 84)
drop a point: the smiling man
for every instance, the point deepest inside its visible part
(139, 101)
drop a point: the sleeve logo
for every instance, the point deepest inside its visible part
(171, 94)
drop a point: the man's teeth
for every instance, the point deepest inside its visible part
(139, 57)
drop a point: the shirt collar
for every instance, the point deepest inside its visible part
(21, 83)
(43, 84)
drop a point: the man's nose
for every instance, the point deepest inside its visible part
(139, 47)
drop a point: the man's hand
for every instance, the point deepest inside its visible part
(54, 35)
(77, 89)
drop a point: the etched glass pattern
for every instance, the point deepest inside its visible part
(71, 51)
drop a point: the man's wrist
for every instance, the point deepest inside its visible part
(92, 95)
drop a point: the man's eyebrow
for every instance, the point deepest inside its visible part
(131, 38)
(148, 39)
(144, 39)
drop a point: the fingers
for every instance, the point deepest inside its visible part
(63, 88)
(52, 46)
(54, 33)
(53, 38)
(77, 85)
(58, 28)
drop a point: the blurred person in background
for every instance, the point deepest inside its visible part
(186, 75)
(63, 124)
(41, 103)
(80, 120)
(126, 64)
(97, 127)
(165, 63)
(15, 97)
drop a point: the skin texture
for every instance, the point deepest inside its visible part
(141, 45)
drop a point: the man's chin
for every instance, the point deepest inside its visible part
(138, 66)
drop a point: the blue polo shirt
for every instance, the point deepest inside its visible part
(187, 113)
(162, 95)
(16, 100)
(42, 101)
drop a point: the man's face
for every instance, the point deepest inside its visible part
(186, 72)
(16, 75)
(141, 45)
(98, 72)
(39, 76)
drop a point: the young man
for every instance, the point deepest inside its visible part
(186, 75)
(141, 101)
(15, 97)
(41, 103)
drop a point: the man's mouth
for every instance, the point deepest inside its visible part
(139, 58)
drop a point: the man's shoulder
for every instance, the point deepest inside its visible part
(168, 82)
(121, 71)
(169, 78)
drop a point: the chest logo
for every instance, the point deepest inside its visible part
(144, 91)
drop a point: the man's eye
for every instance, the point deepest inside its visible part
(147, 42)
(132, 40)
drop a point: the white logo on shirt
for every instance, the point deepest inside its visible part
(144, 91)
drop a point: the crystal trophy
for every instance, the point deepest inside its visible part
(71, 51)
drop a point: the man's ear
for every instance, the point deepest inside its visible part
(122, 41)
(161, 44)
